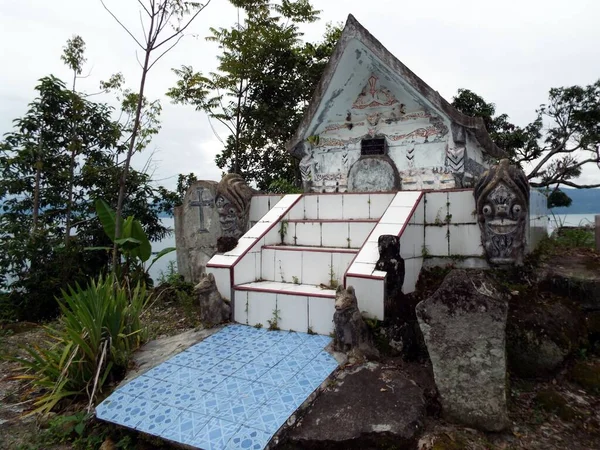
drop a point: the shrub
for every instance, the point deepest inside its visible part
(99, 330)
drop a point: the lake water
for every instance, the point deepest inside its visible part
(163, 263)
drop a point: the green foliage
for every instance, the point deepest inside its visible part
(265, 78)
(563, 138)
(100, 328)
(575, 238)
(282, 186)
(133, 243)
(558, 199)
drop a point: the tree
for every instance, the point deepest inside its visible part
(563, 138)
(73, 57)
(265, 79)
(159, 14)
(34, 263)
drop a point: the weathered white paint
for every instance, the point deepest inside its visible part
(367, 99)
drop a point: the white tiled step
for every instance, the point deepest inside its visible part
(296, 307)
(286, 288)
(305, 265)
(328, 233)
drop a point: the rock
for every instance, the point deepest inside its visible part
(214, 309)
(552, 402)
(369, 408)
(541, 334)
(576, 277)
(464, 324)
(587, 375)
(197, 229)
(352, 335)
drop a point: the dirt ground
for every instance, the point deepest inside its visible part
(555, 413)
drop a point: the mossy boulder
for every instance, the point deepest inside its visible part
(552, 402)
(542, 334)
(587, 375)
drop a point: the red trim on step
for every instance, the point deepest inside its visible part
(412, 211)
(256, 239)
(292, 248)
(334, 220)
(362, 275)
(218, 266)
(241, 287)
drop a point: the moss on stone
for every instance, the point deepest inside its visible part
(445, 442)
(587, 376)
(552, 402)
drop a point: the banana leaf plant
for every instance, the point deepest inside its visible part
(133, 243)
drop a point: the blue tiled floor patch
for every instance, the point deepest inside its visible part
(233, 390)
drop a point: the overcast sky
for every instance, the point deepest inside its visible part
(509, 52)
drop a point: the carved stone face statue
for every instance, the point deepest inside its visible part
(233, 205)
(502, 199)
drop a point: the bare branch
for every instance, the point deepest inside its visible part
(142, 22)
(163, 53)
(144, 6)
(569, 183)
(138, 60)
(123, 26)
(181, 30)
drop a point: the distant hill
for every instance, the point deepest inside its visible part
(585, 201)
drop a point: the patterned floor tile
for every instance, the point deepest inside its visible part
(162, 371)
(269, 417)
(307, 352)
(160, 392)
(207, 380)
(319, 369)
(134, 413)
(292, 363)
(244, 355)
(268, 359)
(318, 340)
(231, 385)
(215, 435)
(251, 371)
(206, 404)
(204, 348)
(249, 439)
(284, 347)
(306, 382)
(276, 376)
(227, 367)
(138, 385)
(158, 420)
(185, 358)
(218, 338)
(113, 405)
(185, 397)
(187, 425)
(185, 376)
(233, 390)
(235, 410)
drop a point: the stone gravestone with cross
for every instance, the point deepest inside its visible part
(197, 229)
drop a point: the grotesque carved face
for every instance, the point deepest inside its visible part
(228, 216)
(233, 205)
(502, 196)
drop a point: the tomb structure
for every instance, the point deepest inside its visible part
(373, 125)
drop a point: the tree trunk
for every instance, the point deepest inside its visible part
(36, 194)
(123, 180)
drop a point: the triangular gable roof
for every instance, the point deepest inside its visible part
(354, 30)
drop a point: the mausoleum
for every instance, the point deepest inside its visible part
(381, 154)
